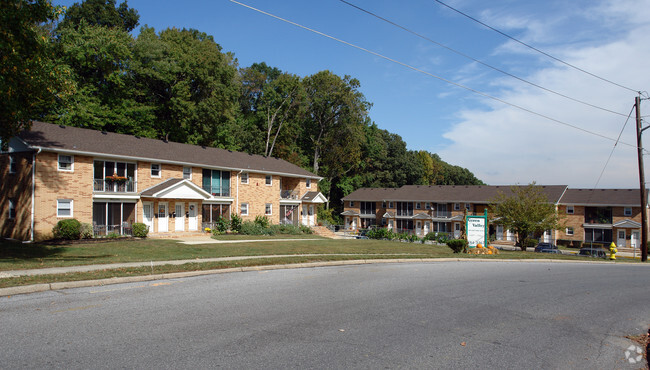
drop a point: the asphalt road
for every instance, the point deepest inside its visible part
(413, 315)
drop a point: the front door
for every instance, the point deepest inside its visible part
(163, 221)
(427, 227)
(634, 239)
(621, 239)
(193, 223)
(305, 216)
(179, 217)
(547, 236)
(147, 215)
(456, 230)
(499, 232)
(311, 215)
(418, 227)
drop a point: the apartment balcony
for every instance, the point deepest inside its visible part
(112, 186)
(442, 214)
(289, 194)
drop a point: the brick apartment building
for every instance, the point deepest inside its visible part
(599, 216)
(112, 180)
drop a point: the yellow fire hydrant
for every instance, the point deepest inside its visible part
(612, 251)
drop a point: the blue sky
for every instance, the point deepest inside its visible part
(501, 144)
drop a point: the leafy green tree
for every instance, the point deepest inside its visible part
(526, 211)
(191, 84)
(31, 81)
(101, 13)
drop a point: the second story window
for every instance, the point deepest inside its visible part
(216, 182)
(269, 180)
(569, 210)
(417, 205)
(155, 170)
(114, 176)
(351, 204)
(456, 206)
(627, 211)
(308, 183)
(12, 209)
(66, 163)
(12, 164)
(244, 177)
(405, 208)
(187, 173)
(368, 208)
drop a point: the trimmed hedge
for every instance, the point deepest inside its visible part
(140, 230)
(69, 229)
(457, 245)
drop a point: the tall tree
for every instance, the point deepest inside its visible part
(526, 211)
(31, 82)
(332, 102)
(191, 84)
(102, 13)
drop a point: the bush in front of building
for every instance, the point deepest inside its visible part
(221, 226)
(140, 230)
(68, 229)
(381, 233)
(235, 223)
(262, 221)
(86, 231)
(254, 228)
(457, 245)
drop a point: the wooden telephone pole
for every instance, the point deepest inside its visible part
(644, 211)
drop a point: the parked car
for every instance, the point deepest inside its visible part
(594, 252)
(547, 248)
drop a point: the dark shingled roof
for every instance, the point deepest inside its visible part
(160, 187)
(447, 193)
(620, 197)
(55, 137)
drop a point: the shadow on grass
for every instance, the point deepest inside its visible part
(15, 250)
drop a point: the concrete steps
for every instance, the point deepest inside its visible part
(324, 232)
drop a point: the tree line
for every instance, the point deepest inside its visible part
(88, 70)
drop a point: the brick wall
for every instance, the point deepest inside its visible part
(256, 193)
(18, 188)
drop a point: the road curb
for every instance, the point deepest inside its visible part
(36, 288)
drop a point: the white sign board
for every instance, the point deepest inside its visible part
(476, 231)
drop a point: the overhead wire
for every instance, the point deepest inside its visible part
(534, 48)
(431, 74)
(479, 61)
(613, 148)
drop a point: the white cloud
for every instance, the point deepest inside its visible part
(503, 145)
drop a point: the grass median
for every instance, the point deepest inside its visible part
(18, 256)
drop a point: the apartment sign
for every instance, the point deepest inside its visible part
(476, 227)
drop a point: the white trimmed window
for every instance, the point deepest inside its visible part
(351, 204)
(383, 204)
(468, 206)
(456, 206)
(268, 209)
(569, 210)
(244, 177)
(187, 173)
(155, 170)
(308, 183)
(269, 180)
(569, 231)
(390, 205)
(427, 205)
(12, 209)
(64, 208)
(417, 205)
(627, 211)
(12, 164)
(244, 209)
(66, 163)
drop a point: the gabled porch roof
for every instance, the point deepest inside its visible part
(176, 189)
(627, 224)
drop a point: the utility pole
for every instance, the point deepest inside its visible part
(644, 214)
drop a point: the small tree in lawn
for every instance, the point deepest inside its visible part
(526, 211)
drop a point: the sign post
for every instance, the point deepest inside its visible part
(477, 230)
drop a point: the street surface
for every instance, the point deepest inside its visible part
(413, 315)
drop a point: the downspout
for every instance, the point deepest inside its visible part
(237, 201)
(31, 238)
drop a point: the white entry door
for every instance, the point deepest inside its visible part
(163, 220)
(427, 227)
(193, 222)
(311, 215)
(499, 232)
(147, 215)
(179, 219)
(418, 227)
(620, 243)
(634, 239)
(305, 216)
(456, 230)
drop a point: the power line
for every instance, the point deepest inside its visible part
(534, 48)
(479, 61)
(612, 152)
(432, 75)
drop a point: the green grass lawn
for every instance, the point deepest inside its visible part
(15, 256)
